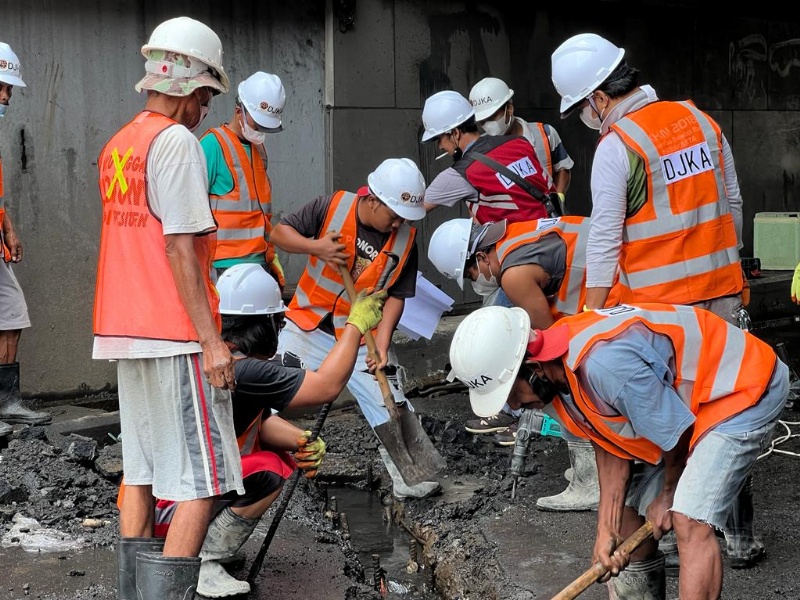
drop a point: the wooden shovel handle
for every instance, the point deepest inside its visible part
(596, 571)
(372, 348)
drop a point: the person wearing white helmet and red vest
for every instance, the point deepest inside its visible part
(156, 314)
(678, 403)
(508, 187)
(666, 205)
(494, 112)
(358, 231)
(13, 309)
(252, 317)
(238, 183)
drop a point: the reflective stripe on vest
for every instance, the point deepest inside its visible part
(135, 292)
(244, 214)
(719, 369)
(681, 246)
(498, 197)
(320, 290)
(537, 136)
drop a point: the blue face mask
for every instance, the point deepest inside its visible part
(3, 108)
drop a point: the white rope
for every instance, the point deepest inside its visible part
(777, 440)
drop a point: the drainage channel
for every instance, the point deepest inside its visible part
(391, 558)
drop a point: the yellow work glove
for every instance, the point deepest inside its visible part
(276, 269)
(796, 285)
(309, 455)
(367, 311)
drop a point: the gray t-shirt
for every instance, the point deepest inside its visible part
(549, 252)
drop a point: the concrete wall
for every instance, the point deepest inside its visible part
(355, 96)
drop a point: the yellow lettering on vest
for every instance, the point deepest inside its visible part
(119, 175)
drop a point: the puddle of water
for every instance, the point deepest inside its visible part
(370, 535)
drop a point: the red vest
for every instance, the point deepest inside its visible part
(135, 294)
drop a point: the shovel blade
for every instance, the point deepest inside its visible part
(412, 451)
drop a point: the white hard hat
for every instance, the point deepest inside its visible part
(247, 289)
(444, 111)
(9, 66)
(488, 96)
(263, 96)
(449, 247)
(486, 352)
(399, 184)
(190, 38)
(580, 65)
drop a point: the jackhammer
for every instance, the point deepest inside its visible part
(531, 421)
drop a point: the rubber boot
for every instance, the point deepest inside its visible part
(127, 549)
(744, 549)
(402, 491)
(166, 577)
(583, 491)
(5, 429)
(12, 410)
(226, 534)
(644, 580)
(668, 546)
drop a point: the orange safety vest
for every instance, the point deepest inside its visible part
(243, 215)
(6, 251)
(135, 294)
(541, 145)
(720, 371)
(321, 292)
(681, 246)
(574, 231)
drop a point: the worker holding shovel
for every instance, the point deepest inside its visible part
(364, 238)
(252, 316)
(678, 403)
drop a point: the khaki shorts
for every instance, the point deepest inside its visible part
(177, 430)
(13, 310)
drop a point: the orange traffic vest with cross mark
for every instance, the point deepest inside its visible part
(574, 231)
(681, 246)
(719, 371)
(321, 292)
(243, 215)
(135, 294)
(541, 145)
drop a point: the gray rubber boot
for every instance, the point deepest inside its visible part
(402, 491)
(12, 410)
(226, 534)
(668, 546)
(583, 491)
(166, 577)
(643, 580)
(5, 429)
(127, 549)
(743, 547)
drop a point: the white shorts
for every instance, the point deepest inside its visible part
(13, 310)
(177, 430)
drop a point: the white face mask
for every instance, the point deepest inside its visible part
(3, 108)
(500, 126)
(483, 286)
(590, 118)
(251, 135)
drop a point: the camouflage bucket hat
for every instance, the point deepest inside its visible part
(176, 74)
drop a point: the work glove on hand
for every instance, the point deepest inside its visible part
(276, 270)
(309, 455)
(366, 311)
(796, 285)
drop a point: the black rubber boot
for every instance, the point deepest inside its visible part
(166, 577)
(12, 410)
(744, 549)
(127, 549)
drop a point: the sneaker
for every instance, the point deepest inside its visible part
(493, 424)
(507, 437)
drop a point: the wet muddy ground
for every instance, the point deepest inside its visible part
(471, 542)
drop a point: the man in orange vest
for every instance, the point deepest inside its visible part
(13, 309)
(666, 205)
(364, 232)
(156, 314)
(678, 403)
(238, 183)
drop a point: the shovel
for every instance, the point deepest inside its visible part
(596, 571)
(412, 451)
